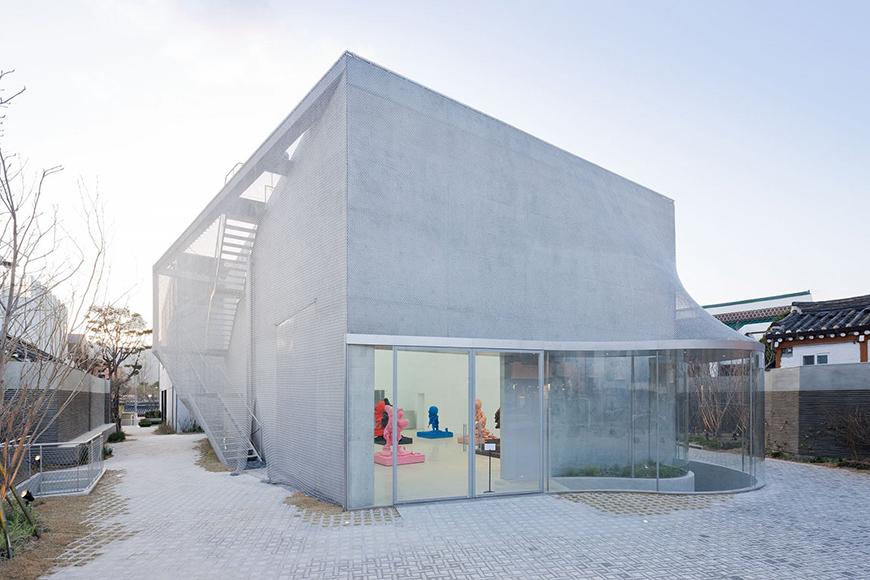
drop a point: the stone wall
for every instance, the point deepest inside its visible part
(805, 405)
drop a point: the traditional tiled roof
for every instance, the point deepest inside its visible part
(830, 316)
(758, 315)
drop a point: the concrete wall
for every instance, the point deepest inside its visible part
(802, 404)
(361, 386)
(462, 226)
(833, 377)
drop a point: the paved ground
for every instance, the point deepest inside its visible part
(180, 521)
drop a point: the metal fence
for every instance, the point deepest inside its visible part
(62, 468)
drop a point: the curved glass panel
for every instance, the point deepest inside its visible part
(669, 421)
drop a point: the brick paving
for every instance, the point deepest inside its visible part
(180, 521)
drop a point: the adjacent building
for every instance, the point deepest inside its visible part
(818, 390)
(42, 359)
(820, 333)
(753, 316)
(390, 260)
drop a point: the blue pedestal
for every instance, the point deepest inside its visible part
(435, 434)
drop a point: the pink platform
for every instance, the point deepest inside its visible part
(403, 457)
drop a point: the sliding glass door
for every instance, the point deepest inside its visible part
(447, 423)
(432, 423)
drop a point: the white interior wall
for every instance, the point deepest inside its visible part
(439, 379)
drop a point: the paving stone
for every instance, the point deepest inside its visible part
(176, 520)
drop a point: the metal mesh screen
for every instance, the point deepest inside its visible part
(249, 303)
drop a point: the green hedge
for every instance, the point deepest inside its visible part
(116, 437)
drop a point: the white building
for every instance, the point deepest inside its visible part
(388, 251)
(39, 323)
(822, 333)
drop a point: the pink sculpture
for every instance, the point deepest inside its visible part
(481, 434)
(480, 424)
(403, 456)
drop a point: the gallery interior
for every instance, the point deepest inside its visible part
(518, 421)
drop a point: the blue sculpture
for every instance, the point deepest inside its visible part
(435, 432)
(433, 418)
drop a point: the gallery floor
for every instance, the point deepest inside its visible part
(443, 474)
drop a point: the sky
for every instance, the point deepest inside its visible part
(754, 117)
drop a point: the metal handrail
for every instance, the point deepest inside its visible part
(79, 463)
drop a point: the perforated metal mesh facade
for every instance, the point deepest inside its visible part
(250, 303)
(299, 279)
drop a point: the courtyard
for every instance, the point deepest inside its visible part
(158, 512)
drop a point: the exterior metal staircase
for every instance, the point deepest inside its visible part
(231, 444)
(208, 314)
(235, 242)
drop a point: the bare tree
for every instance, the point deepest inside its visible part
(852, 428)
(39, 259)
(118, 334)
(720, 396)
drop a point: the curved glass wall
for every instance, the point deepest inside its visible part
(680, 421)
(675, 421)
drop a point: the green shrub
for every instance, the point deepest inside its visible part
(153, 415)
(641, 470)
(145, 423)
(20, 530)
(116, 437)
(107, 451)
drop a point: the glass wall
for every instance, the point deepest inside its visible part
(432, 390)
(721, 391)
(614, 422)
(473, 422)
(507, 423)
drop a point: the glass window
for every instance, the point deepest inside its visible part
(809, 359)
(821, 359)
